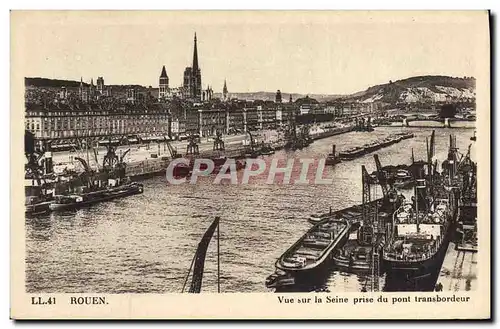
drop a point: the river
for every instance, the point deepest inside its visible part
(145, 243)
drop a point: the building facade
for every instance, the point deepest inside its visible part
(62, 122)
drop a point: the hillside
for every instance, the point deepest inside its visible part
(51, 83)
(419, 89)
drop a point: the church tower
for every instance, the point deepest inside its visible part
(163, 84)
(192, 77)
(224, 92)
(196, 80)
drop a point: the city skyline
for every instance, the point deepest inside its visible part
(296, 52)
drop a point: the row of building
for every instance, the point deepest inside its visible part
(64, 122)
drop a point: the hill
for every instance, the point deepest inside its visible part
(51, 83)
(419, 89)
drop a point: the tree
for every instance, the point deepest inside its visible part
(447, 111)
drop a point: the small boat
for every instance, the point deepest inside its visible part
(316, 218)
(65, 202)
(403, 179)
(473, 138)
(38, 208)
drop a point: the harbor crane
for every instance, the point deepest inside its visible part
(173, 152)
(369, 230)
(218, 142)
(192, 147)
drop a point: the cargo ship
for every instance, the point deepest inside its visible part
(418, 241)
(419, 234)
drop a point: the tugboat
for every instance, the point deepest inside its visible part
(332, 158)
(473, 138)
(355, 254)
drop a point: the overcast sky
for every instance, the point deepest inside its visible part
(299, 52)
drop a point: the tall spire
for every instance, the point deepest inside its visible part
(195, 56)
(224, 90)
(163, 72)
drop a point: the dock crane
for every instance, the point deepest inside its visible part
(192, 147)
(172, 151)
(389, 193)
(369, 231)
(218, 142)
(381, 176)
(88, 174)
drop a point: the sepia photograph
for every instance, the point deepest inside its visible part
(328, 155)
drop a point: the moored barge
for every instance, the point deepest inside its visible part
(314, 248)
(67, 202)
(359, 151)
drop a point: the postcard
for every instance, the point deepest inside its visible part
(250, 165)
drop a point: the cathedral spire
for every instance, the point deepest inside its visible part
(195, 55)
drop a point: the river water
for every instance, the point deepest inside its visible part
(145, 243)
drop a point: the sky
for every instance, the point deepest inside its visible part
(297, 52)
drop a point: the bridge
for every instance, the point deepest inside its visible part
(416, 121)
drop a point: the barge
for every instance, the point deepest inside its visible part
(359, 151)
(68, 202)
(314, 248)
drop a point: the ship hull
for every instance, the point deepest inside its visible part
(326, 258)
(36, 209)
